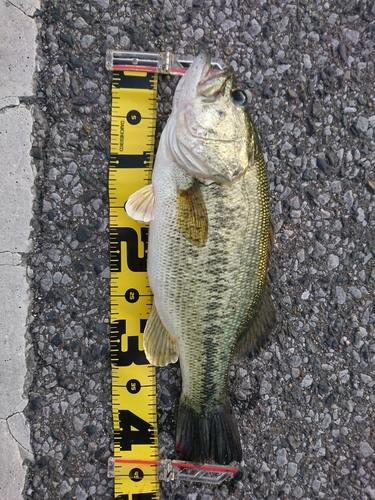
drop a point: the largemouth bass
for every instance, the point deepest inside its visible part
(210, 240)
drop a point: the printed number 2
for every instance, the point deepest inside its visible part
(144, 433)
(130, 236)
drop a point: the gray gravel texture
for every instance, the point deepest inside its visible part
(305, 405)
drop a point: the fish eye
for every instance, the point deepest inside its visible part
(239, 97)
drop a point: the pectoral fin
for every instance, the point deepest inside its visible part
(140, 205)
(192, 214)
(255, 335)
(160, 348)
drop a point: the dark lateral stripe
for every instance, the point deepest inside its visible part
(130, 161)
(136, 81)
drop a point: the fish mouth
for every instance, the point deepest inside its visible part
(203, 81)
(213, 81)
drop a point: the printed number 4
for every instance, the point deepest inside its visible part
(144, 433)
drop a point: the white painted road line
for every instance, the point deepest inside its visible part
(18, 33)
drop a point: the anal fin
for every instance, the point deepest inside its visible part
(160, 347)
(255, 335)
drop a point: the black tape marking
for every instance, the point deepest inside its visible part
(126, 437)
(131, 161)
(133, 386)
(136, 474)
(133, 117)
(130, 236)
(136, 81)
(133, 354)
(132, 295)
(137, 496)
(143, 496)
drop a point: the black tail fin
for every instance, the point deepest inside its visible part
(209, 435)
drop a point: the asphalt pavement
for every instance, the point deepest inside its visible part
(305, 405)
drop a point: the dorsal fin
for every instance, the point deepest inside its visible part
(255, 335)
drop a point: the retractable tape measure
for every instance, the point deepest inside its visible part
(133, 378)
(134, 465)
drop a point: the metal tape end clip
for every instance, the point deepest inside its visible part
(166, 63)
(171, 470)
(111, 467)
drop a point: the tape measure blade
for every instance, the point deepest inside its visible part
(133, 124)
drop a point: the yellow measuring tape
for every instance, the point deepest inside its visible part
(135, 461)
